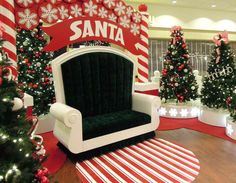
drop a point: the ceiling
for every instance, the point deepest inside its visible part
(223, 5)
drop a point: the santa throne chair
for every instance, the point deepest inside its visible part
(96, 103)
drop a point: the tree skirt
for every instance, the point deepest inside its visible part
(56, 158)
(193, 124)
(154, 160)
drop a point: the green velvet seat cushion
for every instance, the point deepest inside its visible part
(99, 125)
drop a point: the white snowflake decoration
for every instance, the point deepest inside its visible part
(112, 17)
(49, 13)
(129, 11)
(63, 12)
(90, 8)
(162, 111)
(135, 29)
(136, 17)
(25, 3)
(120, 8)
(229, 129)
(28, 18)
(173, 112)
(76, 10)
(109, 3)
(102, 12)
(124, 21)
(184, 112)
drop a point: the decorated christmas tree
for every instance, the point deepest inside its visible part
(178, 82)
(220, 82)
(19, 158)
(231, 102)
(35, 73)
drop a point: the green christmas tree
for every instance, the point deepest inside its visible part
(220, 82)
(231, 102)
(19, 161)
(35, 73)
(178, 82)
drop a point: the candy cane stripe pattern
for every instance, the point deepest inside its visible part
(143, 48)
(8, 22)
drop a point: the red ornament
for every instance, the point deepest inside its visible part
(181, 98)
(164, 72)
(143, 8)
(37, 54)
(184, 46)
(35, 86)
(49, 69)
(21, 49)
(39, 174)
(0, 81)
(26, 60)
(44, 179)
(45, 171)
(228, 100)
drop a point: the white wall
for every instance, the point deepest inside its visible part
(189, 18)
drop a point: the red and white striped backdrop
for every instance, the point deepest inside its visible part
(7, 18)
(143, 48)
(154, 160)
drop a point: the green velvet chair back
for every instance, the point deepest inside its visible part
(98, 83)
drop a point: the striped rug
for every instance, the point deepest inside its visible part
(154, 160)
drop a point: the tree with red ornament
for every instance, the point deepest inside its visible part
(21, 153)
(35, 72)
(178, 82)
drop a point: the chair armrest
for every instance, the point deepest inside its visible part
(66, 114)
(145, 103)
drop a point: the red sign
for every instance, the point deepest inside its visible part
(86, 29)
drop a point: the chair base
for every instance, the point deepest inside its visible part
(105, 149)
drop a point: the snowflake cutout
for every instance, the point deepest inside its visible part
(90, 8)
(136, 17)
(24, 3)
(63, 12)
(112, 17)
(28, 18)
(76, 10)
(124, 21)
(129, 11)
(120, 8)
(109, 3)
(49, 13)
(102, 12)
(229, 129)
(135, 29)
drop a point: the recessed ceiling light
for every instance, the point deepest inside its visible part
(174, 2)
(213, 6)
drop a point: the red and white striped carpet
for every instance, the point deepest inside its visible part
(154, 160)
